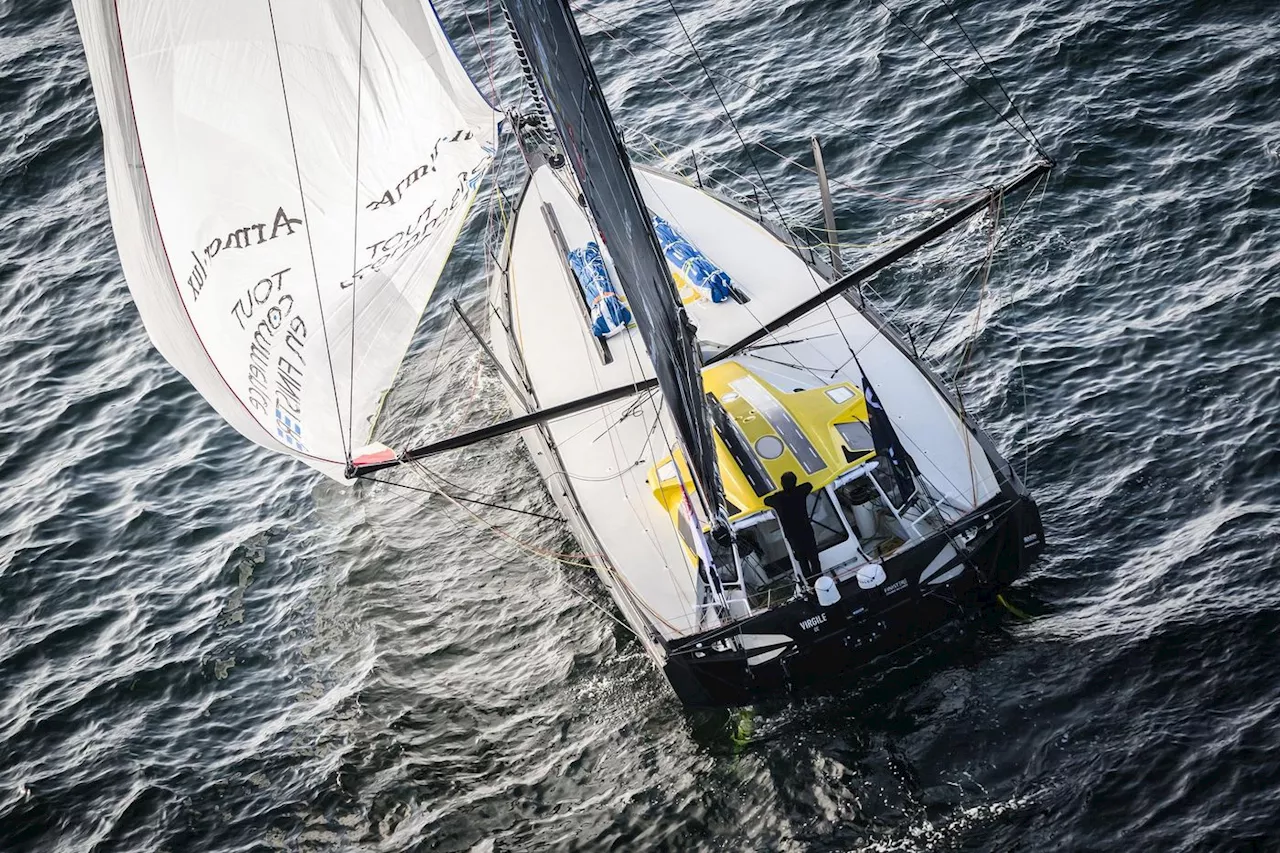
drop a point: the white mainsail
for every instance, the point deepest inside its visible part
(270, 163)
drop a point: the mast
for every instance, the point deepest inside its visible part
(526, 70)
(594, 149)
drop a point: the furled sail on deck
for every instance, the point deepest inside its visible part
(550, 38)
(286, 180)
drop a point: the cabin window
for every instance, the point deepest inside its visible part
(840, 394)
(828, 527)
(857, 439)
(763, 552)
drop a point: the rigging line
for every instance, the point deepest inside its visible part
(744, 306)
(302, 198)
(996, 208)
(496, 198)
(752, 160)
(488, 19)
(436, 478)
(755, 347)
(441, 478)
(1022, 374)
(790, 105)
(604, 416)
(599, 607)
(444, 338)
(567, 583)
(977, 322)
(901, 430)
(787, 159)
(631, 411)
(797, 366)
(961, 77)
(583, 478)
(813, 247)
(563, 557)
(483, 57)
(1003, 91)
(648, 450)
(635, 597)
(355, 245)
(498, 561)
(781, 156)
(895, 315)
(653, 143)
(816, 210)
(657, 413)
(973, 276)
(461, 498)
(1026, 428)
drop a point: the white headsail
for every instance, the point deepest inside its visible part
(268, 162)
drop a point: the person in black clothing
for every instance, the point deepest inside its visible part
(791, 503)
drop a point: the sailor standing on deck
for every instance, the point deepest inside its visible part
(791, 503)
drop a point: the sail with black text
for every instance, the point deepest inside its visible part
(286, 180)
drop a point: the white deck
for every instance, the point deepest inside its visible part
(605, 456)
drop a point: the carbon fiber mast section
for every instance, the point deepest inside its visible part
(595, 151)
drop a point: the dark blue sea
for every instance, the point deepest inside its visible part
(204, 647)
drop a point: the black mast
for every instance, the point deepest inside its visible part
(560, 63)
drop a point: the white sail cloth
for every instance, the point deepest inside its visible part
(268, 162)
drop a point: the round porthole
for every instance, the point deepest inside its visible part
(769, 446)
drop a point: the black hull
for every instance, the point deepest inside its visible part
(941, 582)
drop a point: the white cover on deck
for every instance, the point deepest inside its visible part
(251, 206)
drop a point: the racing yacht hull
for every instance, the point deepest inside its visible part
(594, 463)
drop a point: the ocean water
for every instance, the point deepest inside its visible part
(203, 647)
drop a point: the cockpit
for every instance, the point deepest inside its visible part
(855, 508)
(857, 520)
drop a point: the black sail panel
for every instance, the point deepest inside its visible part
(551, 40)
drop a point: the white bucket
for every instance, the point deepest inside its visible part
(870, 576)
(828, 592)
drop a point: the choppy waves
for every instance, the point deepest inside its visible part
(203, 648)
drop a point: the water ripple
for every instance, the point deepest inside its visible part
(206, 649)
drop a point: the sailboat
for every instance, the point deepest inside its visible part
(774, 488)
